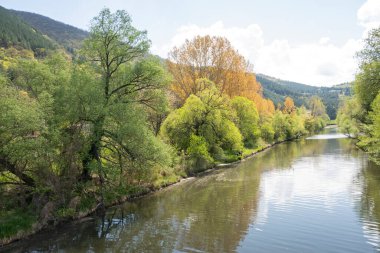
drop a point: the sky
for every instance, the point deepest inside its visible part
(308, 41)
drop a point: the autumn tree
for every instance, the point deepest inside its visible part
(289, 106)
(213, 58)
(317, 107)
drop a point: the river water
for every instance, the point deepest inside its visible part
(318, 194)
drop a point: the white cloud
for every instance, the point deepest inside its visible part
(324, 40)
(247, 40)
(321, 63)
(369, 14)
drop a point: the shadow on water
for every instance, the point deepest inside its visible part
(312, 195)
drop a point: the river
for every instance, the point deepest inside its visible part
(318, 194)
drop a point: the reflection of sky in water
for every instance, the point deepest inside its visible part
(310, 181)
(326, 136)
(312, 205)
(302, 196)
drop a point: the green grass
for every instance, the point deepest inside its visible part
(249, 151)
(15, 221)
(165, 180)
(332, 122)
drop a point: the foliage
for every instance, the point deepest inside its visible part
(206, 116)
(371, 51)
(66, 35)
(199, 155)
(317, 107)
(277, 90)
(348, 113)
(72, 128)
(367, 84)
(371, 141)
(247, 120)
(359, 115)
(14, 32)
(212, 58)
(289, 106)
(374, 146)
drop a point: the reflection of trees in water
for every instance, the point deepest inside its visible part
(211, 213)
(369, 208)
(284, 155)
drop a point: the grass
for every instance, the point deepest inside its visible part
(165, 180)
(249, 151)
(332, 122)
(14, 222)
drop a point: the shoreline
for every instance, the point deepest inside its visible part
(83, 216)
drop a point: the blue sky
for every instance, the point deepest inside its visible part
(310, 41)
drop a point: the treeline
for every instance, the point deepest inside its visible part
(277, 90)
(359, 115)
(66, 35)
(79, 134)
(14, 32)
(221, 114)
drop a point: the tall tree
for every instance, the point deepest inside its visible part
(213, 58)
(317, 107)
(289, 106)
(371, 50)
(128, 79)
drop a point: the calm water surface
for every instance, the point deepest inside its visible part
(318, 194)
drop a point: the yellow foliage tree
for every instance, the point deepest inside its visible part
(289, 106)
(215, 59)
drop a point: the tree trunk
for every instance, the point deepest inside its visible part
(12, 168)
(94, 151)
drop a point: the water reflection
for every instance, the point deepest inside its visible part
(369, 203)
(313, 195)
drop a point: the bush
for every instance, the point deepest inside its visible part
(199, 156)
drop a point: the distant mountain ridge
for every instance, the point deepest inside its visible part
(15, 32)
(68, 36)
(277, 89)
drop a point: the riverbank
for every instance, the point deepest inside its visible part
(140, 192)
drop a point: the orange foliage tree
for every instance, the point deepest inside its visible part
(289, 106)
(215, 59)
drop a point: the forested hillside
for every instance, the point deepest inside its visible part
(15, 32)
(277, 90)
(66, 35)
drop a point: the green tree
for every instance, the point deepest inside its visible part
(21, 141)
(317, 108)
(367, 84)
(206, 115)
(347, 118)
(371, 51)
(280, 126)
(247, 120)
(371, 141)
(128, 80)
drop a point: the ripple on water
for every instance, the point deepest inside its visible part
(304, 196)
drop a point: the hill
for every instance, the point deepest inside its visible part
(15, 32)
(68, 36)
(277, 90)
